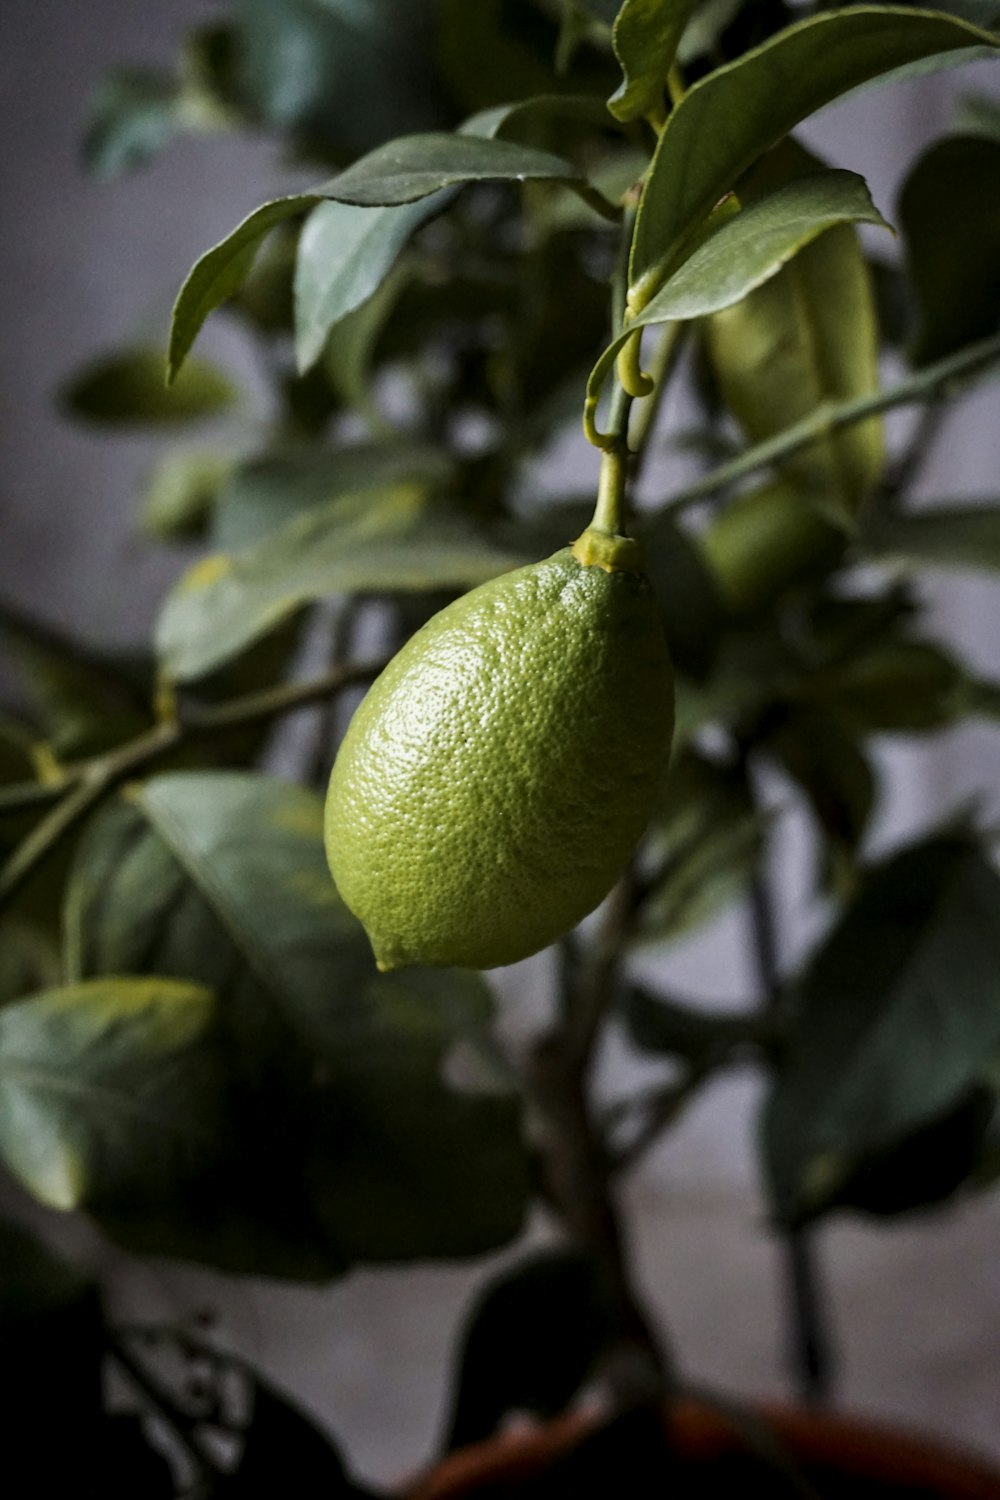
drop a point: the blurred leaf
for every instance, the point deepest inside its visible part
(348, 1139)
(29, 959)
(34, 1279)
(701, 35)
(806, 336)
(748, 250)
(263, 494)
(896, 686)
(825, 760)
(109, 1089)
(181, 492)
(767, 542)
(553, 1303)
(133, 114)
(949, 210)
(662, 1025)
(128, 387)
(920, 1171)
(753, 669)
(690, 605)
(349, 356)
(279, 1435)
(345, 253)
(395, 538)
(895, 1017)
(82, 700)
(728, 119)
(978, 114)
(646, 35)
(497, 51)
(944, 536)
(307, 66)
(705, 846)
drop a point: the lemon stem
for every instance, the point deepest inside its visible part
(609, 512)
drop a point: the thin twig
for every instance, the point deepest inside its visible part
(830, 417)
(86, 783)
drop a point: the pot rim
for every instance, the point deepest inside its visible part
(856, 1446)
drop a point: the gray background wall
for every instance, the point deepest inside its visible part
(82, 266)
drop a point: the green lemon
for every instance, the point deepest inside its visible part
(497, 775)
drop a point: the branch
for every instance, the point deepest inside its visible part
(86, 783)
(939, 379)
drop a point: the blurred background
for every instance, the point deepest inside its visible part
(83, 266)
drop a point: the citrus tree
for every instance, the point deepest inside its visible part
(523, 212)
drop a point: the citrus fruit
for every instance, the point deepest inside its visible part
(496, 777)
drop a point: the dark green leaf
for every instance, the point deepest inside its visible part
(553, 1302)
(896, 686)
(895, 1017)
(129, 388)
(646, 35)
(748, 250)
(133, 115)
(690, 604)
(29, 959)
(181, 493)
(263, 494)
(308, 66)
(108, 1089)
(670, 1027)
(34, 1279)
(728, 119)
(360, 1147)
(824, 758)
(513, 46)
(345, 254)
(395, 538)
(949, 210)
(704, 848)
(922, 1170)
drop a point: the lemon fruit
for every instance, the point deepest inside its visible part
(496, 777)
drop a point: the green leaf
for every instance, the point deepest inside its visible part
(309, 66)
(806, 337)
(646, 34)
(895, 1017)
(415, 166)
(729, 118)
(128, 387)
(747, 250)
(555, 1302)
(222, 270)
(894, 686)
(765, 543)
(949, 210)
(132, 116)
(690, 603)
(263, 494)
(362, 1141)
(938, 536)
(703, 848)
(823, 757)
(920, 1171)
(978, 114)
(395, 539)
(108, 1088)
(345, 253)
(181, 492)
(672, 1028)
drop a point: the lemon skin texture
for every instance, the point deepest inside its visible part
(498, 774)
